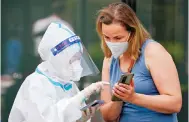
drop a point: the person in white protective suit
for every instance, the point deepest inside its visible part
(49, 94)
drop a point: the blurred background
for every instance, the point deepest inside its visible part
(25, 21)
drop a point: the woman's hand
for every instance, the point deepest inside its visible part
(124, 91)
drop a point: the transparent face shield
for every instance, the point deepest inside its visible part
(86, 62)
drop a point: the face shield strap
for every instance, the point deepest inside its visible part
(64, 44)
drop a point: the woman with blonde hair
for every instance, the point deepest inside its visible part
(154, 94)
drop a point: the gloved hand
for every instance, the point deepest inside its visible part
(88, 113)
(80, 97)
(94, 87)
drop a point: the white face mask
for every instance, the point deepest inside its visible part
(117, 48)
(73, 72)
(76, 70)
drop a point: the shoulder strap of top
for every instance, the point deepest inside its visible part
(142, 49)
(145, 44)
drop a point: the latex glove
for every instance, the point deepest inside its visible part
(80, 97)
(94, 88)
(88, 113)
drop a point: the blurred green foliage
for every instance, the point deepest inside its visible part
(175, 49)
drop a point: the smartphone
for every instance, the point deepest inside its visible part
(126, 79)
(93, 104)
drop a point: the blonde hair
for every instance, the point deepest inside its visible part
(123, 14)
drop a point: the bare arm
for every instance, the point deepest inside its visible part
(111, 110)
(165, 77)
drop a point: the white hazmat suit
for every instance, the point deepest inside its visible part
(49, 94)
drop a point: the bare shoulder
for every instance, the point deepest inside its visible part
(155, 49)
(157, 56)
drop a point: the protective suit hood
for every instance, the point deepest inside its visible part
(64, 54)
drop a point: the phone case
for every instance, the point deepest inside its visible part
(93, 104)
(126, 78)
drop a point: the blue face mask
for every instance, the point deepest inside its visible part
(117, 48)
